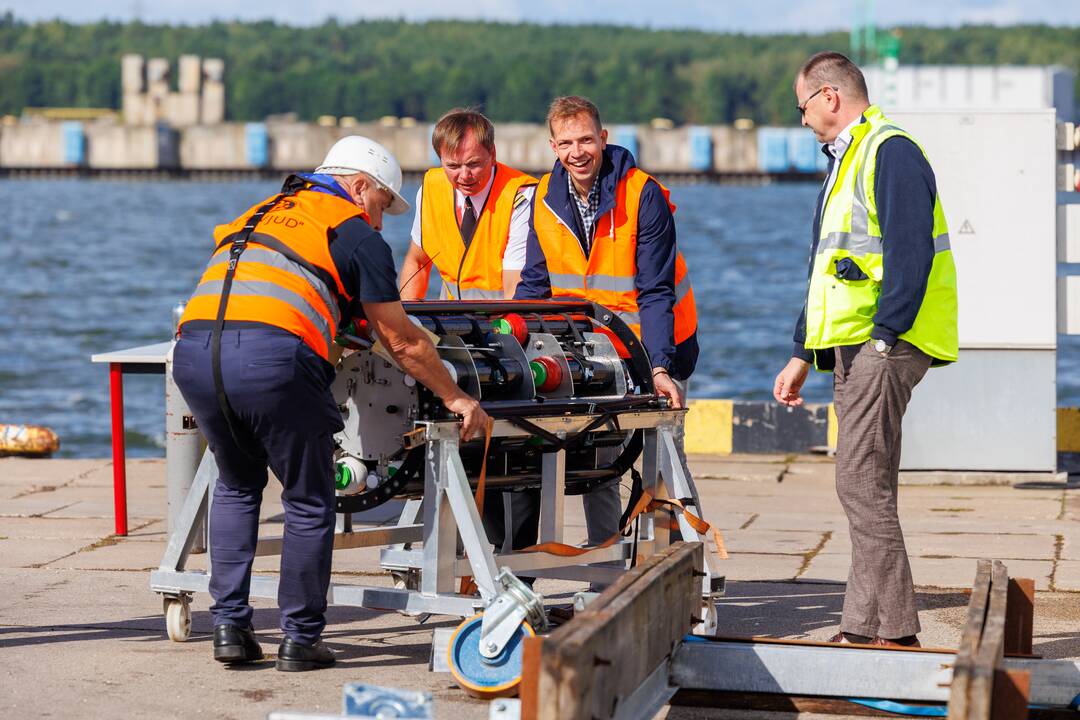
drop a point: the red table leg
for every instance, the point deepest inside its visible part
(116, 399)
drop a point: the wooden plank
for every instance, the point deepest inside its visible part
(991, 647)
(587, 665)
(969, 642)
(529, 690)
(1012, 688)
(1019, 616)
(566, 671)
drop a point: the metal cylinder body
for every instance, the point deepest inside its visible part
(184, 448)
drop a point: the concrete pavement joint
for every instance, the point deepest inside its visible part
(1059, 545)
(809, 557)
(37, 515)
(103, 542)
(36, 489)
(749, 522)
(38, 566)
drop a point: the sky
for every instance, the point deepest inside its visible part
(754, 16)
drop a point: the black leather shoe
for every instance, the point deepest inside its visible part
(234, 644)
(293, 656)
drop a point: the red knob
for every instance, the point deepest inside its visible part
(547, 372)
(512, 324)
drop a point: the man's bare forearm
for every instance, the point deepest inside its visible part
(418, 357)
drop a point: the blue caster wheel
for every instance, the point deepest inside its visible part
(482, 677)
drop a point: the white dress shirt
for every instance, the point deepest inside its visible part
(514, 255)
(837, 148)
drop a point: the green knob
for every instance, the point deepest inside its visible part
(342, 476)
(539, 372)
(502, 327)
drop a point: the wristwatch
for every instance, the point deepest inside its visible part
(882, 347)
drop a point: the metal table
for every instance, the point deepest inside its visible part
(142, 360)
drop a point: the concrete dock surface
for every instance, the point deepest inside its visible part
(82, 636)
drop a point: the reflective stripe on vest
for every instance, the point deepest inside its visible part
(614, 248)
(474, 272)
(276, 260)
(270, 286)
(840, 311)
(865, 244)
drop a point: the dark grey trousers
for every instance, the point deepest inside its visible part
(871, 392)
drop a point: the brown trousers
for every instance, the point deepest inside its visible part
(871, 392)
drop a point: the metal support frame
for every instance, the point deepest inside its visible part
(454, 541)
(977, 681)
(795, 668)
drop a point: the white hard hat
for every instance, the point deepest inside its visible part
(355, 153)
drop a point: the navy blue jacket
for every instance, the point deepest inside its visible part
(655, 259)
(905, 189)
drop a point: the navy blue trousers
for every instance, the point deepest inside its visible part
(279, 389)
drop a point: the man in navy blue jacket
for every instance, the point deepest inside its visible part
(898, 256)
(581, 194)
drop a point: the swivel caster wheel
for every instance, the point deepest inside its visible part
(178, 618)
(483, 677)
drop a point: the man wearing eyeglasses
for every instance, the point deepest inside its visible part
(880, 310)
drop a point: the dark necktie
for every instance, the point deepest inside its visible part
(468, 222)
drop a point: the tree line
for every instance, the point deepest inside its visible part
(374, 68)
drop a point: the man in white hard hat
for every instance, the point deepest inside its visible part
(252, 361)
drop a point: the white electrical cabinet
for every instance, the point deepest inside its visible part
(973, 87)
(995, 409)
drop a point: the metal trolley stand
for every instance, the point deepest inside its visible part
(446, 523)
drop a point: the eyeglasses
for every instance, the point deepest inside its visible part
(802, 108)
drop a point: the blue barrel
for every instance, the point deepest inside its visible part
(701, 149)
(626, 135)
(73, 141)
(256, 145)
(772, 149)
(804, 151)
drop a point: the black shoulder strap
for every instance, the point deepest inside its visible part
(240, 434)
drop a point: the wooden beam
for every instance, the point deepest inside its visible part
(1012, 688)
(589, 665)
(969, 642)
(1019, 616)
(991, 647)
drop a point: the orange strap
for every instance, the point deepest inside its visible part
(646, 503)
(468, 585)
(564, 550)
(700, 526)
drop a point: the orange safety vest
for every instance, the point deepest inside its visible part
(475, 272)
(607, 275)
(285, 277)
